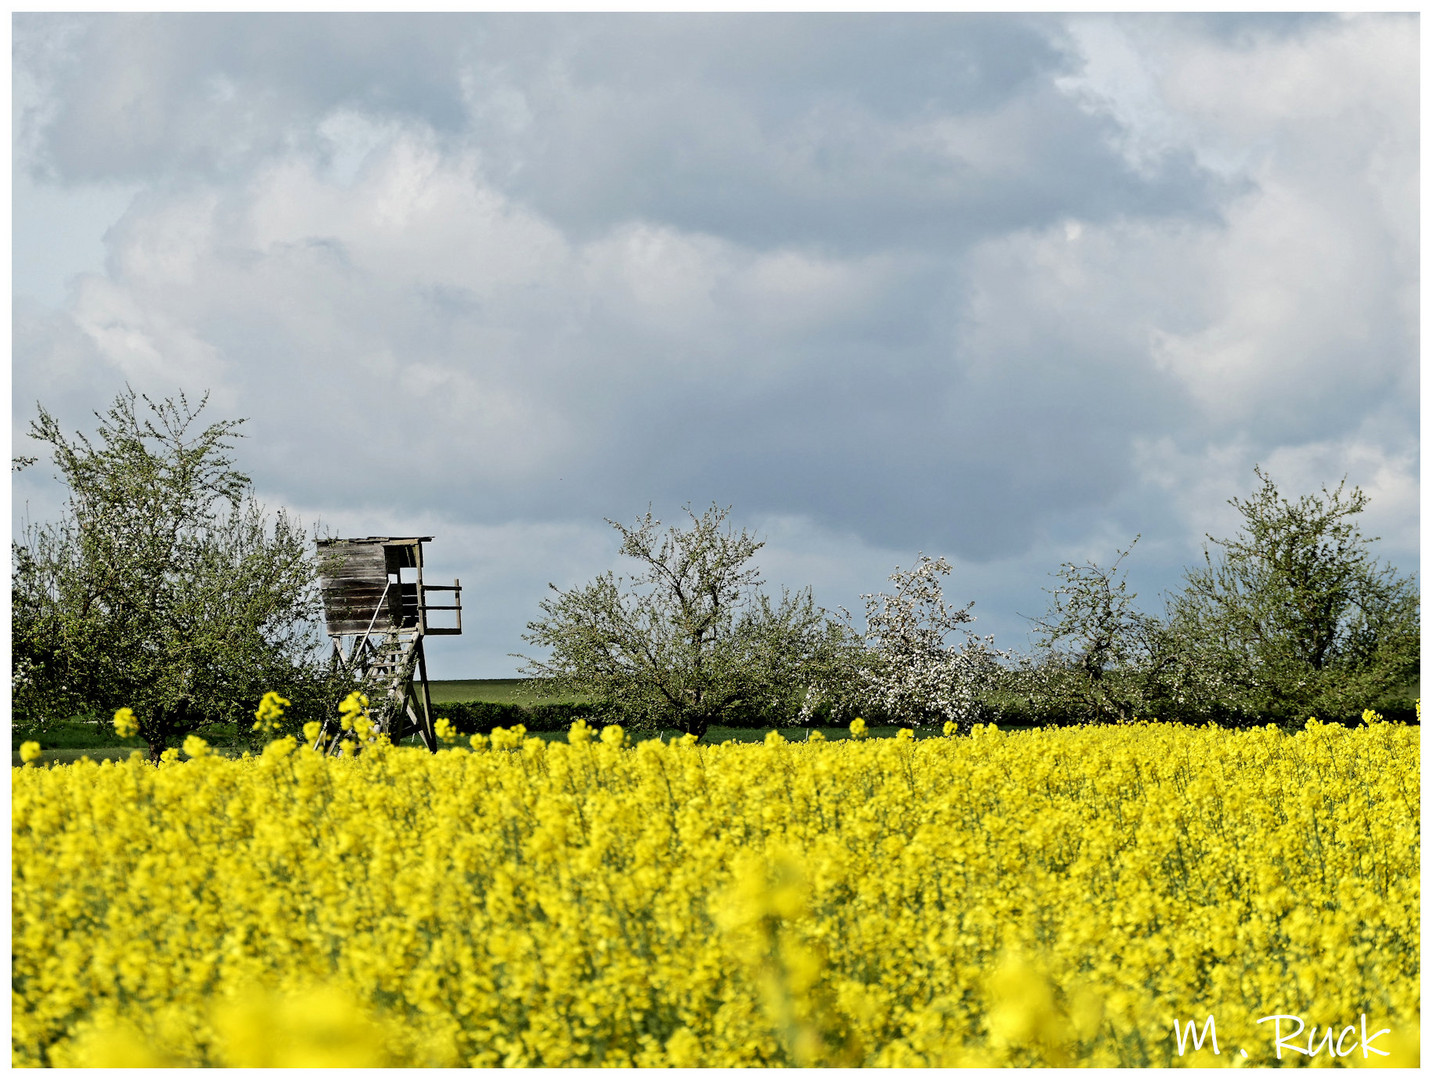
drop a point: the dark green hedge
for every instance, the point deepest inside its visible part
(480, 717)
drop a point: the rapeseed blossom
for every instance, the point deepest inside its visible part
(270, 712)
(1057, 897)
(125, 725)
(353, 708)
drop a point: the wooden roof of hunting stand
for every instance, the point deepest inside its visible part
(374, 593)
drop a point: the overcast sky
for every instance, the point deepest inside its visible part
(1008, 289)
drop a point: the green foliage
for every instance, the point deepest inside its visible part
(1292, 618)
(1098, 660)
(75, 734)
(1295, 617)
(164, 587)
(790, 661)
(689, 641)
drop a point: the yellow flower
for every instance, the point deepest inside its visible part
(29, 751)
(354, 704)
(313, 1028)
(355, 718)
(125, 725)
(857, 728)
(195, 747)
(1022, 1008)
(311, 731)
(444, 730)
(558, 906)
(280, 748)
(270, 712)
(119, 1047)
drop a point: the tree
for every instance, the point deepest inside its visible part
(689, 640)
(164, 587)
(1102, 659)
(797, 660)
(1295, 616)
(910, 672)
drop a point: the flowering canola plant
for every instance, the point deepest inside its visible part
(1056, 897)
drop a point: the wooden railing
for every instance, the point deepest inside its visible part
(456, 589)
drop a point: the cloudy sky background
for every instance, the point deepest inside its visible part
(1008, 289)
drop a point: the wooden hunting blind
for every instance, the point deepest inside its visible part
(377, 608)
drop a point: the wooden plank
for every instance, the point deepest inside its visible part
(343, 561)
(349, 606)
(353, 577)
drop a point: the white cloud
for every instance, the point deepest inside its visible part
(148, 345)
(443, 318)
(664, 277)
(1317, 260)
(1119, 79)
(350, 137)
(1203, 480)
(1387, 478)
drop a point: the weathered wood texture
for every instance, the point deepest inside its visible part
(353, 576)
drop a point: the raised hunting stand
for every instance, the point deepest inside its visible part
(377, 620)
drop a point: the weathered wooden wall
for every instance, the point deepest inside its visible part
(352, 577)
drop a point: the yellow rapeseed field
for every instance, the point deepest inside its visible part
(1051, 897)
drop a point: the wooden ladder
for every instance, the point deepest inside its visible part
(383, 664)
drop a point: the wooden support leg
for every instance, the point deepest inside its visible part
(429, 736)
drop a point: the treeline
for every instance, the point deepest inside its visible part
(165, 588)
(1292, 617)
